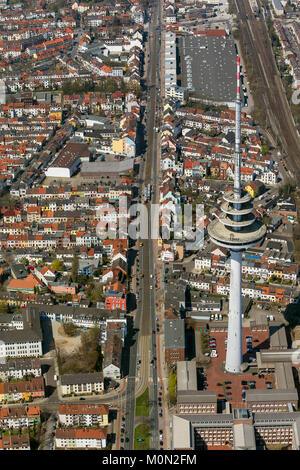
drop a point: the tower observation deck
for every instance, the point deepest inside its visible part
(236, 229)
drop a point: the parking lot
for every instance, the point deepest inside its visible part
(230, 387)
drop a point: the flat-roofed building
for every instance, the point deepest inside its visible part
(243, 437)
(239, 430)
(96, 169)
(186, 376)
(208, 67)
(278, 338)
(284, 376)
(199, 401)
(275, 400)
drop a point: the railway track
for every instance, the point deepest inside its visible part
(257, 42)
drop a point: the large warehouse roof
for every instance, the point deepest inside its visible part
(208, 66)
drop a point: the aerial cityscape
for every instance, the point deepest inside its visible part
(149, 232)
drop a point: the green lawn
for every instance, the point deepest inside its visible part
(172, 388)
(142, 404)
(142, 431)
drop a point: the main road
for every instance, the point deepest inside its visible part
(145, 340)
(143, 345)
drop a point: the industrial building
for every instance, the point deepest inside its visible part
(68, 160)
(207, 66)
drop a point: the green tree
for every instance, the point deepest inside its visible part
(57, 265)
(95, 292)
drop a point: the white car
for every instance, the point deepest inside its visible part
(213, 354)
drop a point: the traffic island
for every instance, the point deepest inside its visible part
(142, 437)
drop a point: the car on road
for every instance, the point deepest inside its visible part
(160, 411)
(81, 398)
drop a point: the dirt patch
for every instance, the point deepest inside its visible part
(65, 343)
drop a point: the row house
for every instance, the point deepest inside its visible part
(83, 415)
(19, 417)
(15, 442)
(22, 391)
(19, 368)
(81, 438)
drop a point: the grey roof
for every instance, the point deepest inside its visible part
(31, 329)
(278, 337)
(243, 437)
(85, 378)
(209, 67)
(107, 167)
(271, 395)
(184, 426)
(186, 376)
(277, 4)
(21, 364)
(19, 271)
(198, 396)
(174, 334)
(284, 375)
